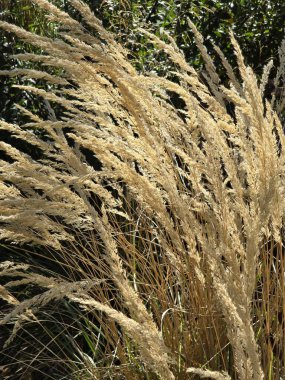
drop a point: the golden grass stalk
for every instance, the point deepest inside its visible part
(209, 184)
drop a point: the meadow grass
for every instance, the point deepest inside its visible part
(148, 237)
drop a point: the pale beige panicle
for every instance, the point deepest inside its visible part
(174, 197)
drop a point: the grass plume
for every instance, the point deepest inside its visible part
(181, 210)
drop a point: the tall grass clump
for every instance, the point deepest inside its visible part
(145, 239)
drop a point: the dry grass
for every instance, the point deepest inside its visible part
(163, 226)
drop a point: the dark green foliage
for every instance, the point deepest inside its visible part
(28, 16)
(257, 24)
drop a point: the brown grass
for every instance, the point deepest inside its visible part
(182, 218)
